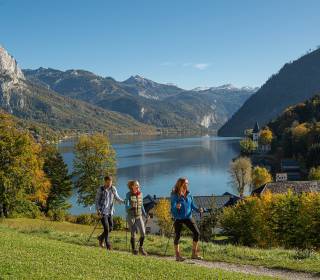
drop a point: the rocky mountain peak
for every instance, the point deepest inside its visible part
(9, 66)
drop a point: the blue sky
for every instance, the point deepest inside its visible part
(189, 43)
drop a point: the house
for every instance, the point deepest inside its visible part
(283, 187)
(255, 136)
(208, 202)
(292, 168)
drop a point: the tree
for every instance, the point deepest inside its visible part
(61, 184)
(240, 171)
(260, 176)
(23, 184)
(248, 146)
(94, 158)
(266, 136)
(162, 212)
(313, 155)
(314, 173)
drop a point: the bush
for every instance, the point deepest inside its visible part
(288, 220)
(57, 215)
(118, 223)
(26, 208)
(87, 219)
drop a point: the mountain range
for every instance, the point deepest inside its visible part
(295, 82)
(160, 105)
(35, 103)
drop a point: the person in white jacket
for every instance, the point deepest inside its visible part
(105, 197)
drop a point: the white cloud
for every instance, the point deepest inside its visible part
(201, 66)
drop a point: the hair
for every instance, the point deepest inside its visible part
(179, 184)
(108, 178)
(131, 183)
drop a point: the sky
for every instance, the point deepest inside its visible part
(185, 42)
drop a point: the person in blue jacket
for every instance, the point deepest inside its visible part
(182, 205)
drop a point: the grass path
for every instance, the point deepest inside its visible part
(274, 262)
(24, 256)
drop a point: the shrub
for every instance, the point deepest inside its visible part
(118, 223)
(288, 220)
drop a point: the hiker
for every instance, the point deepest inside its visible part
(135, 210)
(182, 205)
(105, 197)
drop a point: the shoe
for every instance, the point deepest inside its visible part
(180, 259)
(142, 251)
(196, 257)
(135, 252)
(109, 247)
(101, 242)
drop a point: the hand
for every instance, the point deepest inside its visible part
(99, 213)
(178, 206)
(201, 210)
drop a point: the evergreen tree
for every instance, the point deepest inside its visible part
(61, 184)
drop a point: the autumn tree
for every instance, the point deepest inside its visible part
(61, 184)
(266, 136)
(260, 176)
(23, 185)
(162, 212)
(240, 171)
(248, 146)
(314, 173)
(94, 158)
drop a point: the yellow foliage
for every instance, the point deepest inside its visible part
(260, 176)
(299, 130)
(266, 136)
(162, 212)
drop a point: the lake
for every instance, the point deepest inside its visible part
(157, 162)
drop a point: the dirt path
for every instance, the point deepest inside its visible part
(250, 269)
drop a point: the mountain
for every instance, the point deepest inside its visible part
(161, 105)
(294, 83)
(36, 103)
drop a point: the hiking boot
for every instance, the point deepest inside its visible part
(101, 242)
(142, 251)
(180, 259)
(135, 252)
(109, 247)
(195, 256)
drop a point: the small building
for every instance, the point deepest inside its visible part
(256, 132)
(292, 168)
(283, 187)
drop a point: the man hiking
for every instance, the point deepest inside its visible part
(105, 197)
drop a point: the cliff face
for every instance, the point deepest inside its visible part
(11, 82)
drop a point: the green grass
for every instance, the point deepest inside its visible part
(78, 234)
(27, 256)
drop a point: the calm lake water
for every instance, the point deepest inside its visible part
(157, 163)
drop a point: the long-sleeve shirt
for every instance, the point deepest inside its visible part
(105, 200)
(130, 208)
(187, 206)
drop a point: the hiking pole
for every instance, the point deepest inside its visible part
(165, 252)
(93, 231)
(127, 235)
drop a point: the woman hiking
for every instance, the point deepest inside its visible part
(182, 206)
(135, 210)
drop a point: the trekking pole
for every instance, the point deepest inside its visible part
(127, 235)
(201, 234)
(165, 252)
(92, 231)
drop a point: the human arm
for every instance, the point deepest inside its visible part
(98, 200)
(127, 202)
(116, 196)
